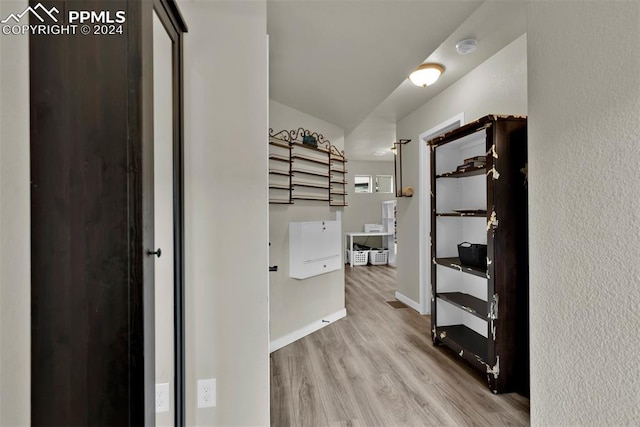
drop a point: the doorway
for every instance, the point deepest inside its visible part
(168, 214)
(424, 224)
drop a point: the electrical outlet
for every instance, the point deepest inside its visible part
(207, 393)
(163, 397)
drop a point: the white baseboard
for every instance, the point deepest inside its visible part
(411, 303)
(306, 330)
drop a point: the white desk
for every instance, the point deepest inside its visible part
(350, 235)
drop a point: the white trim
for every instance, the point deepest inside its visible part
(424, 218)
(408, 301)
(306, 330)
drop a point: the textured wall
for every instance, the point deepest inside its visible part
(15, 253)
(584, 130)
(226, 250)
(295, 303)
(498, 85)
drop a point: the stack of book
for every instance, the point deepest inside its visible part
(471, 163)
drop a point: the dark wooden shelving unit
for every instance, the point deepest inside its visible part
(491, 333)
(456, 264)
(467, 343)
(469, 303)
(463, 214)
(314, 159)
(463, 174)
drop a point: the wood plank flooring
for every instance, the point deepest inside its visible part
(378, 367)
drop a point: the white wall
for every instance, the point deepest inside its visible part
(365, 208)
(226, 246)
(499, 85)
(15, 252)
(584, 202)
(296, 304)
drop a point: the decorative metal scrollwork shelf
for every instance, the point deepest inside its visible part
(315, 168)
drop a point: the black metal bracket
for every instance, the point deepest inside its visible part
(397, 164)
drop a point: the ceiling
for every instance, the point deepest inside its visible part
(347, 61)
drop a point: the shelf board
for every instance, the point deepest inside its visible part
(278, 143)
(338, 159)
(309, 147)
(279, 187)
(473, 127)
(314, 173)
(310, 159)
(459, 338)
(468, 303)
(338, 170)
(319, 198)
(479, 214)
(277, 172)
(310, 185)
(279, 158)
(461, 174)
(455, 264)
(338, 193)
(338, 182)
(338, 204)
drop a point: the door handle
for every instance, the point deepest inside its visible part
(273, 268)
(157, 252)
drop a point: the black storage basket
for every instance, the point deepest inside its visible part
(473, 254)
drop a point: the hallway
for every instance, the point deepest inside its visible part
(378, 367)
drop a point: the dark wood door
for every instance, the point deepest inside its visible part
(92, 339)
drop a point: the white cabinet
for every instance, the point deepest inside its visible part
(314, 248)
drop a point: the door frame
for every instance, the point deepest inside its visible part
(173, 22)
(424, 224)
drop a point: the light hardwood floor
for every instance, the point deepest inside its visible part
(378, 367)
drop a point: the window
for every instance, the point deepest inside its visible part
(366, 184)
(362, 184)
(384, 184)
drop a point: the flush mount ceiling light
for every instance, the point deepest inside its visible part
(426, 74)
(466, 46)
(379, 153)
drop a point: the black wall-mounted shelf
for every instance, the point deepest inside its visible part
(397, 165)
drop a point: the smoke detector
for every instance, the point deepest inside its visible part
(466, 46)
